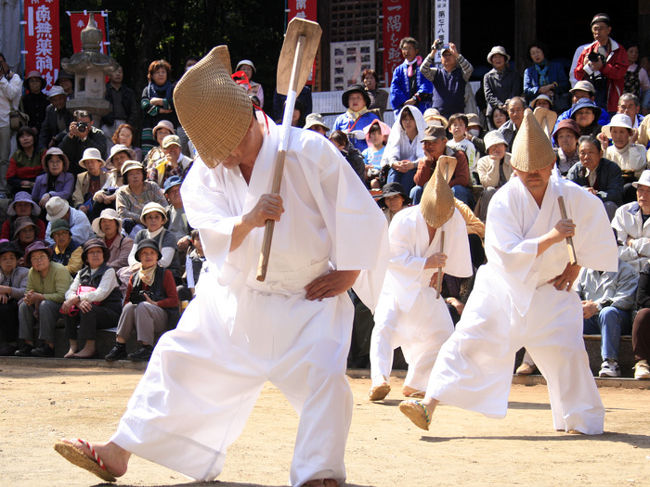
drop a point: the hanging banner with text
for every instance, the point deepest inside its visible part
(79, 21)
(42, 50)
(308, 10)
(396, 27)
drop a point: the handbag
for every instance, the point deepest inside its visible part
(81, 291)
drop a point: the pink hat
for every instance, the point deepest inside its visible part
(385, 129)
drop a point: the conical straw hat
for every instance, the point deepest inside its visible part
(437, 203)
(447, 166)
(214, 110)
(531, 149)
(546, 119)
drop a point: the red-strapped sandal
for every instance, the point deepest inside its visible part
(78, 457)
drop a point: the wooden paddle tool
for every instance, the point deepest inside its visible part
(569, 240)
(448, 165)
(296, 60)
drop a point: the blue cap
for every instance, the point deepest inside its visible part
(171, 182)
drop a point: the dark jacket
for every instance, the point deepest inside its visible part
(643, 290)
(35, 106)
(498, 86)
(74, 148)
(609, 181)
(114, 299)
(128, 102)
(55, 122)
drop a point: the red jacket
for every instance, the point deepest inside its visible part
(614, 70)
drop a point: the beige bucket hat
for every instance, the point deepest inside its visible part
(432, 117)
(153, 207)
(214, 111)
(91, 153)
(531, 149)
(437, 203)
(106, 214)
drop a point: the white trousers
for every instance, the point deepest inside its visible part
(474, 367)
(420, 333)
(202, 383)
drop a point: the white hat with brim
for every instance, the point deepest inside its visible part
(494, 137)
(153, 207)
(117, 148)
(618, 120)
(644, 179)
(56, 91)
(90, 154)
(56, 208)
(131, 165)
(106, 214)
(498, 50)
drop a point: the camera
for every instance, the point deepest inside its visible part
(82, 126)
(594, 57)
(437, 44)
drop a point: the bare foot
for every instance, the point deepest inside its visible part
(411, 392)
(70, 353)
(86, 352)
(115, 458)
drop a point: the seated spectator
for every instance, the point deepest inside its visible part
(565, 139)
(47, 283)
(498, 118)
(546, 77)
(195, 267)
(458, 124)
(22, 205)
(404, 147)
(393, 199)
(134, 195)
(316, 123)
(475, 133)
(24, 234)
(150, 295)
(586, 113)
(378, 97)
(582, 89)
(65, 250)
(124, 134)
(124, 106)
(494, 170)
(157, 102)
(13, 281)
(641, 326)
(376, 136)
(156, 154)
(432, 117)
(55, 181)
(603, 63)
(630, 157)
(607, 301)
(349, 152)
(356, 117)
(630, 105)
(57, 119)
(175, 163)
(119, 155)
(500, 83)
(542, 101)
(409, 87)
(434, 144)
(34, 101)
(599, 176)
(177, 222)
(516, 107)
(59, 209)
(632, 234)
(448, 81)
(81, 136)
(108, 227)
(25, 163)
(89, 182)
(253, 88)
(93, 301)
(636, 78)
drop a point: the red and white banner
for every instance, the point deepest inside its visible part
(79, 21)
(308, 10)
(396, 27)
(42, 38)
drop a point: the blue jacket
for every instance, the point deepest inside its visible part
(399, 89)
(555, 73)
(344, 122)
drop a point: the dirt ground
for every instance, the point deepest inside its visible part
(40, 405)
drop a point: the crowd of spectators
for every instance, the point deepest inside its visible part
(95, 235)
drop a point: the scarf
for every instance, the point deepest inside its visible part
(147, 275)
(542, 72)
(356, 115)
(165, 91)
(409, 71)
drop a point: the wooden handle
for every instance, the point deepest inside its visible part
(569, 240)
(442, 249)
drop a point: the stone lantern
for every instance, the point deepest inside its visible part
(90, 67)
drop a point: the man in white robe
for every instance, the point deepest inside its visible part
(293, 329)
(523, 297)
(409, 314)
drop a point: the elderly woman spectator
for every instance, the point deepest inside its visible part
(565, 138)
(356, 117)
(56, 180)
(546, 77)
(157, 101)
(24, 233)
(378, 97)
(108, 227)
(157, 155)
(494, 170)
(25, 162)
(119, 155)
(34, 101)
(92, 302)
(254, 88)
(151, 292)
(134, 195)
(58, 208)
(13, 281)
(500, 83)
(47, 283)
(89, 182)
(586, 114)
(632, 234)
(22, 205)
(65, 250)
(124, 135)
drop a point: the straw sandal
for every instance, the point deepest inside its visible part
(78, 457)
(379, 392)
(416, 411)
(412, 393)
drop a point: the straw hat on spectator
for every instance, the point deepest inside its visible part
(56, 208)
(106, 214)
(494, 137)
(117, 148)
(214, 111)
(153, 207)
(618, 120)
(55, 151)
(498, 50)
(170, 140)
(315, 119)
(437, 203)
(23, 197)
(432, 117)
(531, 149)
(644, 179)
(21, 223)
(91, 153)
(163, 124)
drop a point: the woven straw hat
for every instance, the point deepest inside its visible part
(437, 203)
(531, 149)
(546, 119)
(214, 111)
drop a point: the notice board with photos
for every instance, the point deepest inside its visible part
(348, 60)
